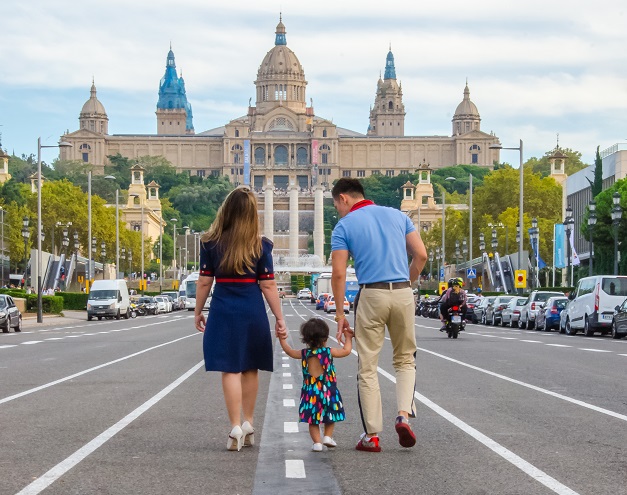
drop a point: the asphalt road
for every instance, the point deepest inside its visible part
(125, 407)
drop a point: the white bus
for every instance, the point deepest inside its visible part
(188, 288)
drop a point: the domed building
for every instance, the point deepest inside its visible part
(281, 147)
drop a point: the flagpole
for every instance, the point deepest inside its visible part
(554, 254)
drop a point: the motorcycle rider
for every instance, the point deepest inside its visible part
(453, 296)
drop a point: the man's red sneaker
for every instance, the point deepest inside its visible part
(368, 444)
(406, 437)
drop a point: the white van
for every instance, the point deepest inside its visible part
(591, 306)
(108, 298)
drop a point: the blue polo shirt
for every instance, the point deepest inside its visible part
(375, 237)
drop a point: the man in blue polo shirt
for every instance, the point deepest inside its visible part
(379, 240)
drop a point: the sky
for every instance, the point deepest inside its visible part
(535, 69)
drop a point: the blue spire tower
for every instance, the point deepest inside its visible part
(387, 115)
(174, 112)
(390, 70)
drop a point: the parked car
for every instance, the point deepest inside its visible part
(470, 312)
(149, 304)
(480, 308)
(304, 294)
(619, 323)
(563, 314)
(494, 310)
(548, 317)
(162, 304)
(511, 313)
(173, 302)
(593, 304)
(10, 315)
(331, 307)
(322, 298)
(174, 298)
(536, 300)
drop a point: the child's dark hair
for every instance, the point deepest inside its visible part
(314, 332)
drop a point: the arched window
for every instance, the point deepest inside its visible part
(474, 153)
(324, 153)
(236, 132)
(324, 133)
(390, 106)
(301, 156)
(85, 150)
(280, 155)
(260, 156)
(237, 153)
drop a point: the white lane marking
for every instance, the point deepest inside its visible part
(80, 373)
(532, 387)
(32, 342)
(622, 354)
(286, 375)
(290, 427)
(510, 338)
(64, 466)
(289, 403)
(285, 357)
(55, 338)
(285, 365)
(559, 345)
(7, 346)
(593, 350)
(294, 468)
(526, 467)
(287, 386)
(74, 336)
(89, 334)
(532, 341)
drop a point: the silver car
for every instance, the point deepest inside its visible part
(511, 313)
(10, 315)
(536, 301)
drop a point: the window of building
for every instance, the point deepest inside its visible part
(301, 156)
(474, 158)
(214, 173)
(281, 124)
(361, 173)
(389, 173)
(408, 193)
(346, 173)
(280, 155)
(376, 172)
(85, 150)
(237, 151)
(200, 173)
(236, 132)
(260, 156)
(324, 133)
(390, 106)
(403, 172)
(324, 154)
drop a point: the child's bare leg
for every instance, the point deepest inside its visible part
(314, 432)
(328, 429)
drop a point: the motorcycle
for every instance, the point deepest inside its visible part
(456, 322)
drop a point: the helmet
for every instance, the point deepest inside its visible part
(456, 281)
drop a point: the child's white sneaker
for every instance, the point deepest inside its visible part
(317, 447)
(329, 442)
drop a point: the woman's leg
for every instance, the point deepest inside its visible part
(249, 386)
(232, 389)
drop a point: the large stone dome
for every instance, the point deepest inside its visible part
(466, 108)
(93, 107)
(280, 60)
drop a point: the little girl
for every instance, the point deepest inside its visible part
(320, 400)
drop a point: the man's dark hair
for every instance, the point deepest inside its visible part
(349, 186)
(314, 332)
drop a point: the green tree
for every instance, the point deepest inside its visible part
(542, 165)
(596, 186)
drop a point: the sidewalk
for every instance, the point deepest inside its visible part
(29, 320)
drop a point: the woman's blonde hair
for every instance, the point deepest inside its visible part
(236, 232)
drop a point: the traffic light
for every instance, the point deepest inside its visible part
(520, 279)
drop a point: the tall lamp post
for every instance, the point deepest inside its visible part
(62, 144)
(174, 220)
(130, 261)
(186, 229)
(520, 200)
(465, 251)
(617, 214)
(25, 235)
(482, 249)
(535, 235)
(93, 253)
(592, 220)
(569, 223)
(438, 258)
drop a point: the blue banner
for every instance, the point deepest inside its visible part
(559, 246)
(246, 162)
(534, 246)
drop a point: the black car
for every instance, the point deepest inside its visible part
(619, 323)
(10, 315)
(149, 304)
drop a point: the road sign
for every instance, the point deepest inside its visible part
(520, 279)
(442, 273)
(471, 273)
(442, 287)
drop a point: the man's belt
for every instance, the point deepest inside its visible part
(387, 285)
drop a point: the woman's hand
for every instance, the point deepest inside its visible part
(199, 322)
(280, 329)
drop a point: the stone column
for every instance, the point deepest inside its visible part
(268, 214)
(318, 233)
(294, 221)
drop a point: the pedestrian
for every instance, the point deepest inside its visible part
(237, 340)
(320, 399)
(379, 240)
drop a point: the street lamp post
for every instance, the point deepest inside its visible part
(430, 265)
(186, 229)
(25, 235)
(438, 258)
(482, 249)
(103, 254)
(93, 253)
(130, 261)
(617, 214)
(569, 223)
(465, 252)
(62, 144)
(592, 220)
(520, 199)
(174, 220)
(457, 253)
(535, 236)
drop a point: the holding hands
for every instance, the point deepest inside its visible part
(280, 329)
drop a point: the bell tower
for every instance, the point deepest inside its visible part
(387, 116)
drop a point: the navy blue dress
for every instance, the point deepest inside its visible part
(237, 334)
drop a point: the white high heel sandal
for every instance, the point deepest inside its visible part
(249, 434)
(236, 439)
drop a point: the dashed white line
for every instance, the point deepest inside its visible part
(294, 468)
(289, 403)
(285, 365)
(287, 386)
(7, 346)
(532, 341)
(559, 345)
(286, 375)
(593, 350)
(290, 427)
(32, 342)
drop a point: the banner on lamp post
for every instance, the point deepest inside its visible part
(560, 244)
(246, 162)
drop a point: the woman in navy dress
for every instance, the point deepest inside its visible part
(237, 339)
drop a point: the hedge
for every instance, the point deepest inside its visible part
(50, 304)
(74, 300)
(14, 292)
